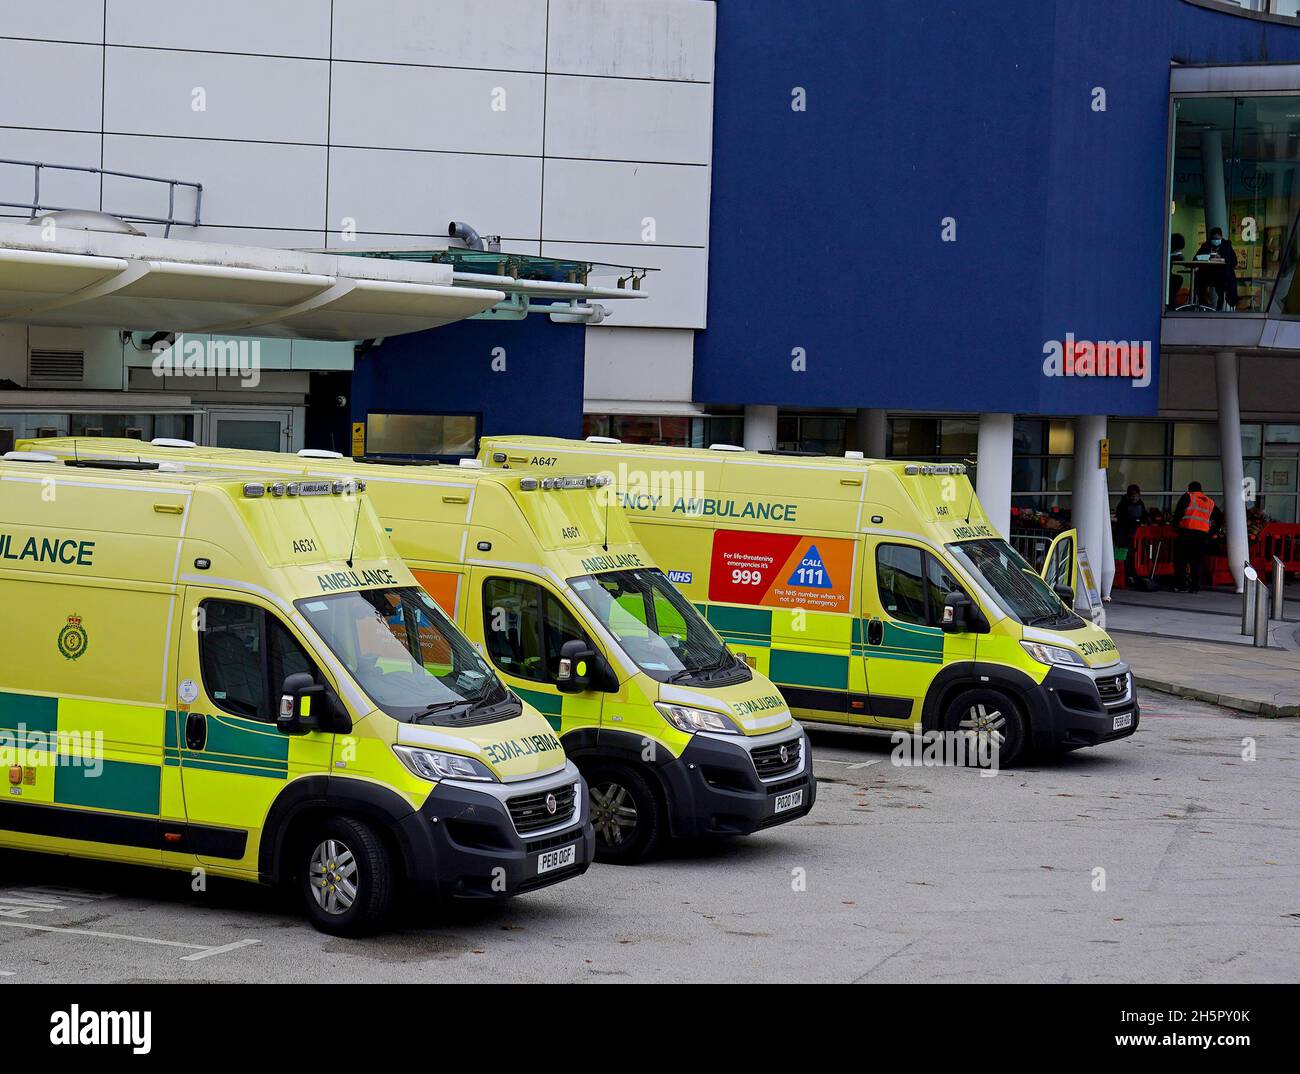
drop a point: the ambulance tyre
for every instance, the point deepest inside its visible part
(625, 811)
(346, 876)
(992, 714)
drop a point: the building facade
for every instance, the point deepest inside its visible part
(909, 228)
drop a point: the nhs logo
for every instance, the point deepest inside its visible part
(680, 577)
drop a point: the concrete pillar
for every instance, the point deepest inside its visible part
(1234, 498)
(1107, 579)
(1216, 193)
(993, 469)
(1090, 510)
(872, 427)
(760, 428)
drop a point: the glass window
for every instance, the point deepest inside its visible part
(1137, 437)
(958, 436)
(913, 438)
(1196, 438)
(1147, 474)
(407, 656)
(422, 434)
(1013, 583)
(1060, 437)
(1028, 437)
(657, 627)
(1282, 434)
(1251, 439)
(1059, 475)
(246, 654)
(526, 627)
(939, 582)
(898, 581)
(1208, 472)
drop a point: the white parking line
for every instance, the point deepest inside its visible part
(203, 950)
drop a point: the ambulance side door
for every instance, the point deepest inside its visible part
(235, 653)
(903, 589)
(522, 626)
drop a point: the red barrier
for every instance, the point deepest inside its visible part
(1281, 539)
(1153, 546)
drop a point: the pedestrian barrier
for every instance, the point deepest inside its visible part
(1152, 554)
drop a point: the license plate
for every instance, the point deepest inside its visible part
(793, 800)
(556, 859)
(1124, 719)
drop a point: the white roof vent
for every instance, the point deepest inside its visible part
(166, 441)
(603, 440)
(30, 456)
(87, 220)
(472, 464)
(854, 455)
(725, 447)
(319, 453)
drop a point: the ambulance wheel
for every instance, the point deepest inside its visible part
(625, 812)
(347, 879)
(995, 720)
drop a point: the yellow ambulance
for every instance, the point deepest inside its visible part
(872, 593)
(235, 673)
(676, 736)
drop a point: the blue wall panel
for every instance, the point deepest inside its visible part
(830, 219)
(449, 370)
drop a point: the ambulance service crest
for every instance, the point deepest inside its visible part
(73, 638)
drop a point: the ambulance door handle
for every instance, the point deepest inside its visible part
(196, 731)
(875, 632)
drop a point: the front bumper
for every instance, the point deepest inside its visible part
(715, 789)
(463, 843)
(1069, 713)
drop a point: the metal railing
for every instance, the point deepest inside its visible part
(36, 207)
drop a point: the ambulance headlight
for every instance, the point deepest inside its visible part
(435, 765)
(691, 720)
(1053, 654)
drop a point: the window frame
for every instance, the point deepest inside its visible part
(548, 679)
(933, 616)
(270, 691)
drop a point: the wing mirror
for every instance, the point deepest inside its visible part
(962, 616)
(581, 668)
(306, 705)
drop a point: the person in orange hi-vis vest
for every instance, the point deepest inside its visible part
(1195, 516)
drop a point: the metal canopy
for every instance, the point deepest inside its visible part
(92, 278)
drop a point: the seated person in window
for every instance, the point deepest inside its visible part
(1222, 278)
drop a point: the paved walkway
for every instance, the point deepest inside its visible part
(1191, 645)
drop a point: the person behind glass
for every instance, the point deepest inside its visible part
(1177, 244)
(1222, 278)
(1194, 517)
(1130, 513)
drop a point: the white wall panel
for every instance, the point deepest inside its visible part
(419, 193)
(50, 85)
(249, 98)
(628, 119)
(393, 107)
(602, 201)
(505, 34)
(245, 184)
(633, 38)
(639, 363)
(54, 20)
(57, 188)
(264, 27)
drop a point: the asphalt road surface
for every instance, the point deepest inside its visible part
(898, 874)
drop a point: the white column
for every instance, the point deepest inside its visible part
(1089, 511)
(1234, 499)
(1107, 579)
(872, 426)
(993, 469)
(760, 428)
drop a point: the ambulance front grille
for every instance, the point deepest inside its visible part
(1113, 689)
(530, 812)
(768, 762)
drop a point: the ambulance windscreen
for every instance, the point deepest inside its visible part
(408, 657)
(1013, 584)
(659, 628)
